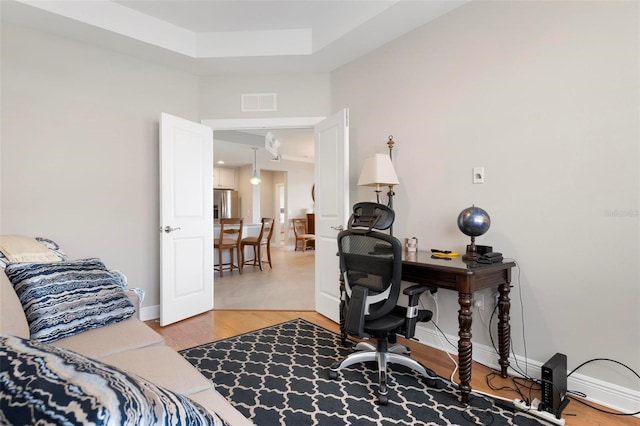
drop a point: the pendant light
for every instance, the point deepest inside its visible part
(255, 180)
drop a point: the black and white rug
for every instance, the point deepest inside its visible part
(279, 375)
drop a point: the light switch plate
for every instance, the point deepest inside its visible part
(478, 175)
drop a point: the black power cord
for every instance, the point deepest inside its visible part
(537, 381)
(530, 382)
(583, 395)
(533, 382)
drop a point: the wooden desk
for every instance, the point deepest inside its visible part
(465, 278)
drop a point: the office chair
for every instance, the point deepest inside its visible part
(371, 267)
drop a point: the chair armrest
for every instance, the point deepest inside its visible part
(414, 292)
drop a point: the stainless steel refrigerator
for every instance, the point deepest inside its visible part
(225, 204)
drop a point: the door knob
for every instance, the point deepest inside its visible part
(338, 228)
(168, 229)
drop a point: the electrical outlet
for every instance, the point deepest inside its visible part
(478, 301)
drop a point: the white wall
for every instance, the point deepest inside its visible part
(80, 148)
(299, 180)
(545, 96)
(298, 95)
(268, 193)
(246, 192)
(259, 201)
(80, 143)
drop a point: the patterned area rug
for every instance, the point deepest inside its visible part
(280, 376)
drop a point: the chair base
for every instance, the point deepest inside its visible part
(382, 356)
(304, 246)
(227, 267)
(257, 256)
(258, 263)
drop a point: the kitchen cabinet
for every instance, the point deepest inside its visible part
(224, 177)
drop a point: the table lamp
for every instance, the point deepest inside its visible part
(378, 171)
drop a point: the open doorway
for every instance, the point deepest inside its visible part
(291, 282)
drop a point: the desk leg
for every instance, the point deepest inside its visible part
(504, 329)
(464, 345)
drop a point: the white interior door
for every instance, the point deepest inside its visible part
(331, 208)
(186, 219)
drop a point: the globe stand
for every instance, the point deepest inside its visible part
(472, 251)
(473, 222)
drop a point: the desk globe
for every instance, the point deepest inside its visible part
(473, 221)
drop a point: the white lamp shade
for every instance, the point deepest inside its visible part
(378, 171)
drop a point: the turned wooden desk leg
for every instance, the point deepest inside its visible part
(504, 329)
(464, 346)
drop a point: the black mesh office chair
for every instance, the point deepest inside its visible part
(371, 266)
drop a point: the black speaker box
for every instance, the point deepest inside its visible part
(554, 384)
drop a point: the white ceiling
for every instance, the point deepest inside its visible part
(232, 36)
(208, 37)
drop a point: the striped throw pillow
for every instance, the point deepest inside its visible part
(62, 299)
(43, 384)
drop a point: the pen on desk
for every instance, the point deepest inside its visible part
(440, 251)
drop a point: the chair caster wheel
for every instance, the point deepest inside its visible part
(333, 374)
(383, 400)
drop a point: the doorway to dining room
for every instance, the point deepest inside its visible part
(290, 284)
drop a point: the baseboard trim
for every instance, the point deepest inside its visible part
(150, 313)
(598, 391)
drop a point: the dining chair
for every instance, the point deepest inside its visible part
(303, 239)
(263, 239)
(230, 238)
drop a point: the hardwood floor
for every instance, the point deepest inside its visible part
(220, 324)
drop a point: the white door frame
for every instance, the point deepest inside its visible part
(262, 123)
(278, 229)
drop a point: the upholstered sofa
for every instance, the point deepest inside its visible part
(125, 348)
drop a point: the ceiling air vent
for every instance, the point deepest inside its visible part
(258, 102)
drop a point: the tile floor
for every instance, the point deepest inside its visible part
(290, 285)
